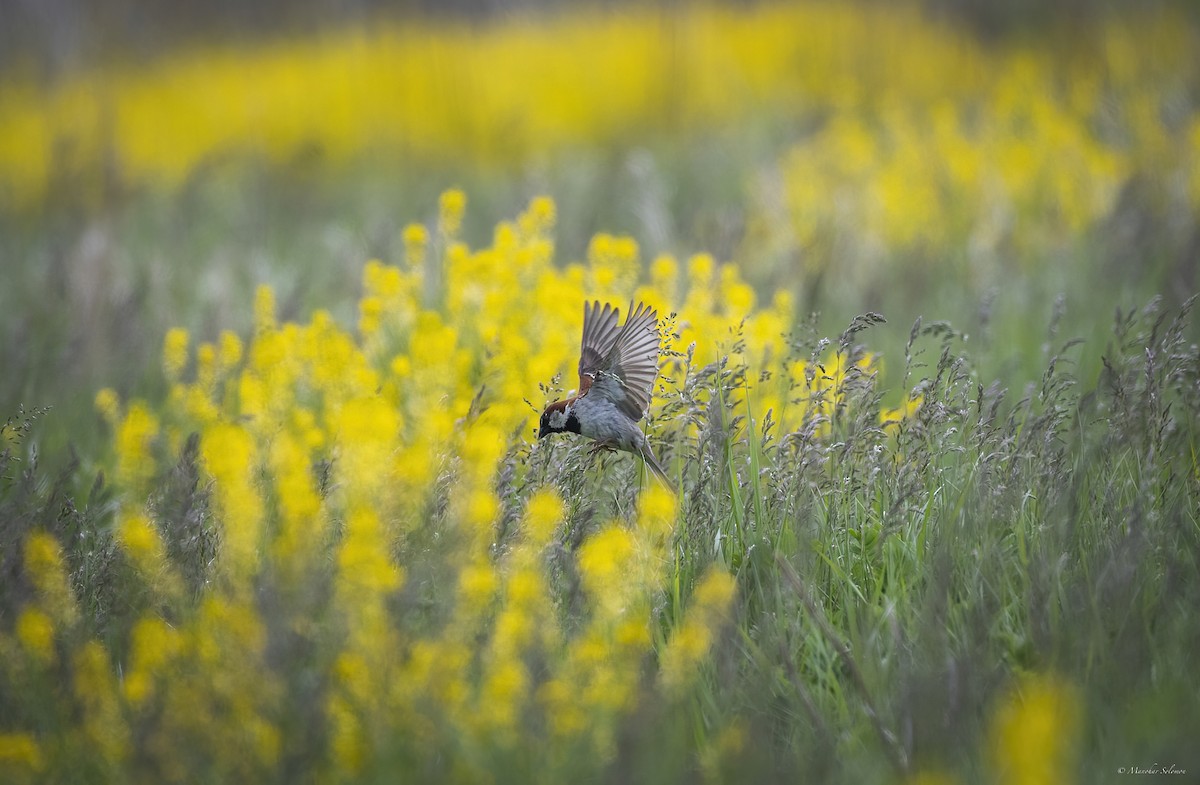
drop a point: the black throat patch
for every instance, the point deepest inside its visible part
(555, 410)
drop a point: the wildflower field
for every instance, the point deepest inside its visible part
(279, 318)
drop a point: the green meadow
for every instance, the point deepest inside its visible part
(279, 316)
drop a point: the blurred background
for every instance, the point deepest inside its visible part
(1020, 169)
(66, 33)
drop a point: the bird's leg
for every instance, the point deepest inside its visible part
(599, 446)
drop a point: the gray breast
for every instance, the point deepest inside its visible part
(602, 421)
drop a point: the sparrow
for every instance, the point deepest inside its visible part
(617, 368)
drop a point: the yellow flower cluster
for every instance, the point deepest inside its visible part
(692, 640)
(334, 458)
(1033, 735)
(1008, 162)
(33, 655)
(1035, 732)
(922, 128)
(53, 606)
(21, 756)
(936, 144)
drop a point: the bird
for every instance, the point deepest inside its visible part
(617, 368)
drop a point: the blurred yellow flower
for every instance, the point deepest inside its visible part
(543, 515)
(47, 572)
(103, 720)
(700, 271)
(691, 641)
(477, 585)
(21, 750)
(230, 457)
(229, 351)
(134, 440)
(175, 352)
(657, 511)
(362, 561)
(153, 644)
(138, 536)
(35, 631)
(416, 239)
(540, 216)
(1034, 732)
(451, 207)
(206, 366)
(264, 309)
(108, 404)
(502, 698)
(604, 564)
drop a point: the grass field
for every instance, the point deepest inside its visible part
(273, 350)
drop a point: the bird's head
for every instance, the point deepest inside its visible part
(558, 417)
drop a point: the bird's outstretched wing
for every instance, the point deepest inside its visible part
(626, 373)
(599, 334)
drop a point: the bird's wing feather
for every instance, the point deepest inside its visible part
(599, 334)
(631, 365)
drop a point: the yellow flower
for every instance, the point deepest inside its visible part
(605, 563)
(890, 419)
(715, 592)
(416, 240)
(700, 271)
(481, 509)
(477, 585)
(737, 296)
(348, 744)
(664, 277)
(366, 430)
(362, 561)
(264, 309)
(657, 511)
(525, 588)
(95, 688)
(108, 405)
(370, 311)
(175, 352)
(718, 757)
(135, 435)
(153, 644)
(45, 568)
(451, 206)
(539, 218)
(502, 696)
(691, 641)
(229, 454)
(142, 543)
(513, 632)
(21, 750)
(293, 470)
(1035, 731)
(543, 515)
(613, 264)
(206, 366)
(633, 636)
(35, 631)
(229, 352)
(566, 716)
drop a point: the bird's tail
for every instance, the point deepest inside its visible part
(657, 468)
